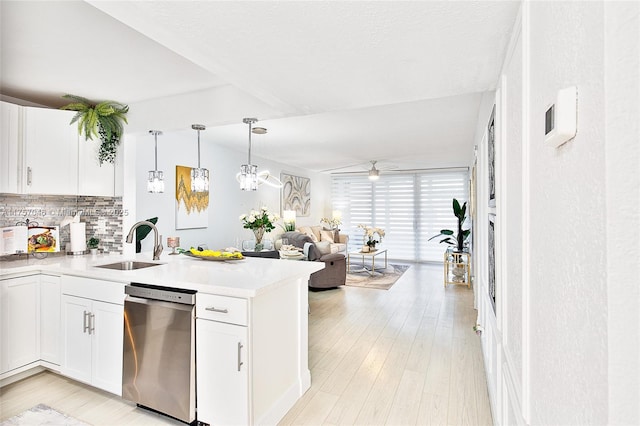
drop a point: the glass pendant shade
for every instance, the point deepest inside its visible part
(248, 177)
(155, 182)
(199, 180)
(199, 175)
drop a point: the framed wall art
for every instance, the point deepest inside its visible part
(192, 208)
(491, 155)
(296, 194)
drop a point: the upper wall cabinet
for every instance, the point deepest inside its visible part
(10, 137)
(45, 155)
(51, 151)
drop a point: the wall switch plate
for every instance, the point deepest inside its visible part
(561, 118)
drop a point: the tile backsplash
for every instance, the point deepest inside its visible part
(103, 215)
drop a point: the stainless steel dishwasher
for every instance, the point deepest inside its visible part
(158, 368)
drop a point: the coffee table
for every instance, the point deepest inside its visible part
(372, 255)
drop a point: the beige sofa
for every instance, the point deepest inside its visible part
(336, 242)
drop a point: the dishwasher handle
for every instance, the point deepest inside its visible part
(150, 302)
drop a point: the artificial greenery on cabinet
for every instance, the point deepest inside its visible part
(104, 120)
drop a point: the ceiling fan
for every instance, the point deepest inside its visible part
(371, 167)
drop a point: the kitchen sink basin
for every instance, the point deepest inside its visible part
(128, 265)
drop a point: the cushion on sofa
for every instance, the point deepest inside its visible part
(327, 236)
(306, 230)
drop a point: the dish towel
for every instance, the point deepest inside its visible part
(305, 250)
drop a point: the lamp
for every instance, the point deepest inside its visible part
(337, 214)
(199, 176)
(249, 177)
(155, 182)
(374, 174)
(289, 218)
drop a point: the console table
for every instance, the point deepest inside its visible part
(457, 268)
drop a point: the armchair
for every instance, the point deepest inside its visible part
(334, 273)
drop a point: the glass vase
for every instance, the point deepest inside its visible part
(258, 233)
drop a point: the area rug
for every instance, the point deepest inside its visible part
(42, 415)
(382, 279)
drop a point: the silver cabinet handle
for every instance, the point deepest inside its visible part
(240, 355)
(29, 175)
(85, 325)
(214, 309)
(92, 323)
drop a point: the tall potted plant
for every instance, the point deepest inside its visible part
(103, 120)
(456, 239)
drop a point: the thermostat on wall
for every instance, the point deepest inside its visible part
(560, 120)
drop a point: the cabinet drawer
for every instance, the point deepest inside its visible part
(93, 289)
(231, 310)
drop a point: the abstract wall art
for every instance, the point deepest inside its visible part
(296, 194)
(192, 208)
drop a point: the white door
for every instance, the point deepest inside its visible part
(76, 343)
(51, 151)
(222, 378)
(50, 319)
(21, 321)
(107, 330)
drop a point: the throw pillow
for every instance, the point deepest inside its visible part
(327, 236)
(307, 231)
(324, 247)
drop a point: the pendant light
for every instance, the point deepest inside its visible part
(155, 182)
(249, 177)
(199, 176)
(249, 172)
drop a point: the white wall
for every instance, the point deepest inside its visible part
(226, 201)
(565, 346)
(622, 156)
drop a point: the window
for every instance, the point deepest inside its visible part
(410, 207)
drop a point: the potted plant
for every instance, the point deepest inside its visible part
(93, 245)
(461, 236)
(103, 120)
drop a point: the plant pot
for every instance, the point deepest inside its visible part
(93, 251)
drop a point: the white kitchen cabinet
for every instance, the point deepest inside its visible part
(222, 376)
(41, 153)
(51, 152)
(50, 319)
(10, 145)
(94, 178)
(92, 332)
(20, 322)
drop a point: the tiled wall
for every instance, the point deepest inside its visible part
(50, 210)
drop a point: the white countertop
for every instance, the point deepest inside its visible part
(241, 278)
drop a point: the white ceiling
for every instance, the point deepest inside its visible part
(346, 82)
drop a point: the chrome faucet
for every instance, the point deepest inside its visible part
(157, 242)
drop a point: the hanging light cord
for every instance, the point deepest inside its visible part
(249, 161)
(198, 148)
(155, 134)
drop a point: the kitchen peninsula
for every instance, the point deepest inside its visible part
(264, 305)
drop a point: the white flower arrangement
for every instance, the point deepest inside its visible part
(370, 234)
(259, 219)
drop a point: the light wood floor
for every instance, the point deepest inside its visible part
(407, 356)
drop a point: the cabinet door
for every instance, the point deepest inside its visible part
(94, 178)
(50, 319)
(106, 330)
(10, 144)
(222, 378)
(76, 341)
(51, 151)
(21, 321)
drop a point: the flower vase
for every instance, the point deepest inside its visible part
(259, 233)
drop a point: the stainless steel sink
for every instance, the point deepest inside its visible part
(128, 265)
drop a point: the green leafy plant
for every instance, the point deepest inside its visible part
(93, 243)
(452, 238)
(103, 120)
